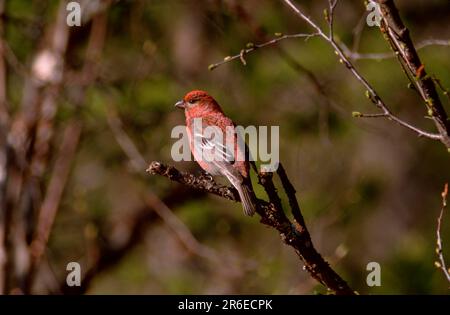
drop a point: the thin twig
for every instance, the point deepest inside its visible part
(54, 194)
(392, 117)
(181, 230)
(110, 253)
(13, 61)
(327, 102)
(4, 117)
(30, 129)
(441, 87)
(357, 33)
(137, 161)
(332, 6)
(252, 47)
(362, 115)
(441, 264)
(388, 55)
(400, 41)
(55, 189)
(373, 95)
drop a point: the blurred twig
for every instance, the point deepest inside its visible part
(110, 254)
(40, 156)
(49, 103)
(126, 144)
(328, 102)
(441, 264)
(293, 234)
(357, 32)
(54, 194)
(3, 86)
(23, 192)
(4, 117)
(181, 230)
(28, 140)
(13, 61)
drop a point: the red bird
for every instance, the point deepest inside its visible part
(212, 151)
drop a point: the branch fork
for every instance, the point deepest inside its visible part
(293, 233)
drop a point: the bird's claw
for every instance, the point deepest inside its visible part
(206, 175)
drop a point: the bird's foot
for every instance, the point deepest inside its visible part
(206, 175)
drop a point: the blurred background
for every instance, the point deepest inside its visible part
(85, 109)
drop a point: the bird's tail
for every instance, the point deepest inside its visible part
(247, 199)
(244, 188)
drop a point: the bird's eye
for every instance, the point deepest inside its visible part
(192, 101)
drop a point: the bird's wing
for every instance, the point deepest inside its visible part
(212, 146)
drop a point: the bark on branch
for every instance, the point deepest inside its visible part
(400, 41)
(294, 234)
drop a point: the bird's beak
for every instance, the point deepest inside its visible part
(180, 104)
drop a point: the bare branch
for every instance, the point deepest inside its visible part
(357, 33)
(390, 116)
(182, 232)
(293, 202)
(4, 117)
(441, 87)
(330, 17)
(109, 253)
(294, 234)
(342, 51)
(24, 136)
(3, 86)
(372, 93)
(306, 19)
(252, 47)
(387, 55)
(327, 102)
(400, 41)
(54, 194)
(137, 161)
(13, 61)
(441, 264)
(361, 115)
(201, 183)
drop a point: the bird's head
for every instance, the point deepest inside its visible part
(198, 102)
